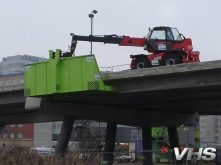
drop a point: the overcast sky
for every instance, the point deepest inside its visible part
(34, 27)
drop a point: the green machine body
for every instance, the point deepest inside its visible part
(58, 76)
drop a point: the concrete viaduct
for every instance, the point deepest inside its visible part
(159, 96)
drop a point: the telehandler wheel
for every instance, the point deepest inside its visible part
(171, 59)
(141, 63)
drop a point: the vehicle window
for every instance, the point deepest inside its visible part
(158, 34)
(176, 34)
(170, 36)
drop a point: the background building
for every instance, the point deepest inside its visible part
(15, 64)
(210, 129)
(17, 134)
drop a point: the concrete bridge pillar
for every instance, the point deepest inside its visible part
(65, 134)
(174, 141)
(147, 145)
(173, 136)
(110, 139)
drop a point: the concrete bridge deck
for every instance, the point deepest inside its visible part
(142, 97)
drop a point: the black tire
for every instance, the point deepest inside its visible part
(171, 59)
(141, 63)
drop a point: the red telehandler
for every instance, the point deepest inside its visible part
(165, 45)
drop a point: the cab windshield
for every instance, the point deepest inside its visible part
(158, 34)
(171, 34)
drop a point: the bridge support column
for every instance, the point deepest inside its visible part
(110, 139)
(147, 145)
(174, 141)
(173, 137)
(65, 134)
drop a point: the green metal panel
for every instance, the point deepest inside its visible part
(40, 86)
(63, 76)
(51, 73)
(159, 132)
(78, 82)
(164, 160)
(29, 85)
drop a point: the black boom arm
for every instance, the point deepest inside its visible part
(111, 39)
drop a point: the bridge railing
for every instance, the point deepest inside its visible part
(115, 68)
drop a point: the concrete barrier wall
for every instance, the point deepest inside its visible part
(11, 82)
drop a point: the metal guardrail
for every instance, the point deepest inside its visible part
(115, 67)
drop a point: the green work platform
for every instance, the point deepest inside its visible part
(61, 75)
